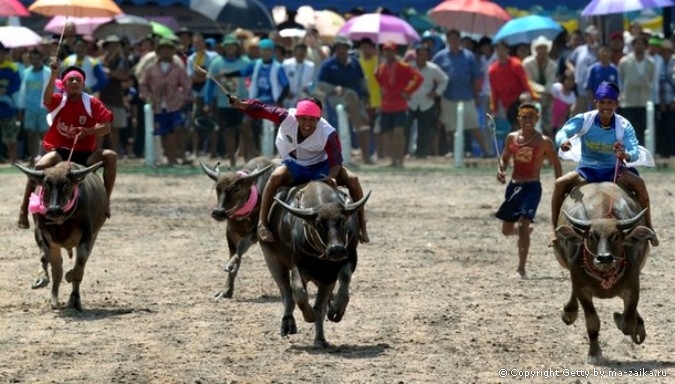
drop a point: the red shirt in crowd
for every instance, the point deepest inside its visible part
(507, 82)
(396, 78)
(61, 134)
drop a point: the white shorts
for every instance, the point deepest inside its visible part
(449, 114)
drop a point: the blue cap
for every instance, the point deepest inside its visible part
(266, 44)
(210, 42)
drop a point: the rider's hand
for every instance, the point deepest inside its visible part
(566, 146)
(54, 64)
(501, 176)
(619, 151)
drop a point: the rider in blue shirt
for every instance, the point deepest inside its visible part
(601, 148)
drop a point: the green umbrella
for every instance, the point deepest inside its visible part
(163, 31)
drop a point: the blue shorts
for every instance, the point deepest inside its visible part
(304, 173)
(167, 122)
(598, 175)
(35, 121)
(391, 120)
(521, 200)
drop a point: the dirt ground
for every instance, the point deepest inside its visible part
(434, 298)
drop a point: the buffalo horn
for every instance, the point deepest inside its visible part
(38, 174)
(630, 223)
(212, 173)
(83, 171)
(577, 223)
(353, 207)
(257, 172)
(303, 213)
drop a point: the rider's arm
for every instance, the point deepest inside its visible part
(630, 144)
(259, 110)
(334, 152)
(571, 127)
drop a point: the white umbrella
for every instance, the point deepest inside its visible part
(13, 37)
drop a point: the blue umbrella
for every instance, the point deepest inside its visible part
(527, 28)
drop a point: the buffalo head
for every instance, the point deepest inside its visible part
(59, 186)
(605, 240)
(233, 189)
(326, 225)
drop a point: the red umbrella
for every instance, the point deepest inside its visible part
(10, 8)
(479, 17)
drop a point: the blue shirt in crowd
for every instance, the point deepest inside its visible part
(348, 75)
(462, 69)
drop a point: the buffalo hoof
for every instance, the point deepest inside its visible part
(332, 314)
(231, 267)
(69, 276)
(41, 281)
(55, 303)
(321, 343)
(569, 317)
(596, 360)
(74, 302)
(288, 326)
(226, 294)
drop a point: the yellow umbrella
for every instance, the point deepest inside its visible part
(76, 8)
(328, 23)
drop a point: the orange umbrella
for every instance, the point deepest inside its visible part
(479, 17)
(76, 8)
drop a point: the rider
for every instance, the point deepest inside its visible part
(76, 120)
(602, 146)
(310, 150)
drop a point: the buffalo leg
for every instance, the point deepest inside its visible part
(338, 305)
(320, 303)
(630, 322)
(593, 329)
(75, 275)
(571, 310)
(300, 295)
(56, 262)
(42, 279)
(281, 276)
(231, 268)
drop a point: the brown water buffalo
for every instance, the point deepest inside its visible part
(316, 234)
(69, 214)
(239, 195)
(602, 241)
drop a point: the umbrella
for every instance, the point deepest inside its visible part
(328, 23)
(418, 21)
(83, 25)
(13, 36)
(10, 8)
(162, 30)
(133, 27)
(379, 28)
(606, 7)
(247, 14)
(473, 16)
(293, 32)
(75, 8)
(524, 30)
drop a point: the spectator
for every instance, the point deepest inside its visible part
(464, 86)
(369, 61)
(421, 106)
(300, 72)
(540, 70)
(397, 82)
(29, 102)
(616, 45)
(117, 69)
(342, 81)
(636, 73)
(601, 71)
(95, 77)
(167, 87)
(564, 98)
(10, 82)
(665, 133)
(197, 69)
(578, 62)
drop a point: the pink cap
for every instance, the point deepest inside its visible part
(308, 108)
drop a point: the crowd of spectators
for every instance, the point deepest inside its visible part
(401, 101)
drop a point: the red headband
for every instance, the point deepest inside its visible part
(308, 108)
(73, 73)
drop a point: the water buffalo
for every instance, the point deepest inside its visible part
(316, 234)
(239, 196)
(68, 212)
(602, 241)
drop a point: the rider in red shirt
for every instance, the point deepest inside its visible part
(76, 120)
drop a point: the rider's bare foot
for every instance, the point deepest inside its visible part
(363, 236)
(23, 222)
(264, 233)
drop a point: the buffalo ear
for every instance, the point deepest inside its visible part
(569, 233)
(639, 233)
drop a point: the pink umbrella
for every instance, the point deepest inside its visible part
(83, 25)
(10, 8)
(13, 36)
(380, 29)
(479, 17)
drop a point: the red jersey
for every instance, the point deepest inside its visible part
(394, 79)
(525, 158)
(72, 115)
(507, 82)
